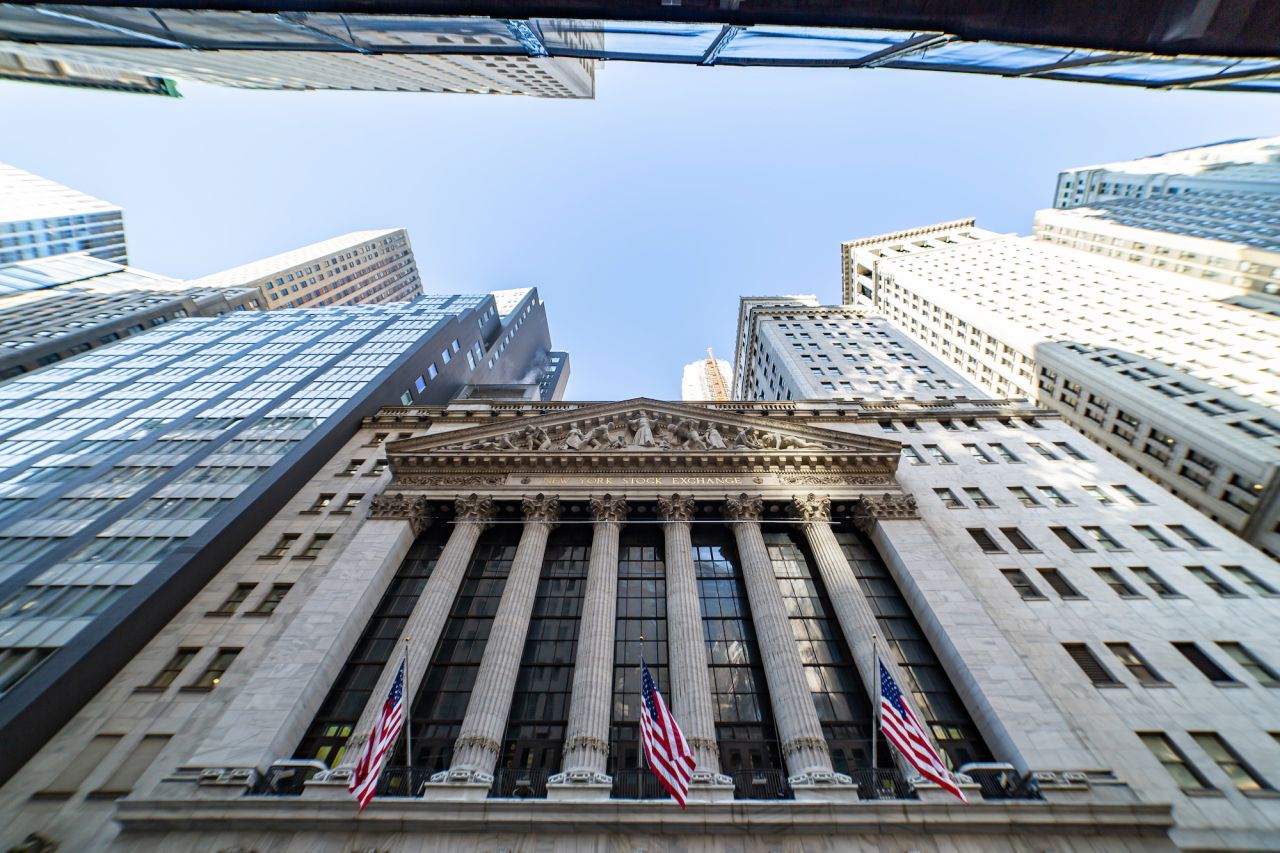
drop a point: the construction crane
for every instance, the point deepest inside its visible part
(715, 379)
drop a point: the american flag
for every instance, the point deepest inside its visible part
(904, 731)
(664, 746)
(385, 731)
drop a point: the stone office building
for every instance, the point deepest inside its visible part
(1102, 678)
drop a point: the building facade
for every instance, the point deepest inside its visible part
(709, 379)
(363, 267)
(130, 474)
(1211, 212)
(39, 218)
(58, 307)
(1102, 691)
(33, 69)
(1170, 373)
(547, 50)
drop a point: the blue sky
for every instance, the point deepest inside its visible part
(641, 215)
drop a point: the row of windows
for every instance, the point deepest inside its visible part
(1145, 674)
(1025, 497)
(331, 502)
(1118, 584)
(987, 455)
(1098, 536)
(355, 466)
(287, 540)
(1189, 777)
(265, 607)
(208, 678)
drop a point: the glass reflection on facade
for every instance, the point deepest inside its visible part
(745, 729)
(292, 49)
(540, 705)
(642, 612)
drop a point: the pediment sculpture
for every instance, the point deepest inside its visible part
(641, 430)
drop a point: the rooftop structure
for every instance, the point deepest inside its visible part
(709, 379)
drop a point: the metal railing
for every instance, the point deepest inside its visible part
(520, 783)
(881, 784)
(761, 785)
(637, 784)
(1003, 782)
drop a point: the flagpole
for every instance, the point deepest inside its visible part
(408, 724)
(875, 703)
(639, 736)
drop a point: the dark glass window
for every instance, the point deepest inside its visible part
(1089, 663)
(1207, 665)
(745, 729)
(838, 695)
(441, 704)
(901, 634)
(540, 704)
(341, 709)
(642, 611)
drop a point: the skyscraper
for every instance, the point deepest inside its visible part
(302, 50)
(1211, 212)
(130, 474)
(39, 218)
(1171, 373)
(56, 307)
(708, 379)
(361, 267)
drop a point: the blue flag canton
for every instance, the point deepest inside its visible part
(647, 690)
(397, 687)
(889, 689)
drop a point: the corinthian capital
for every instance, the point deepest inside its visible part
(474, 508)
(676, 508)
(608, 508)
(813, 508)
(744, 507)
(886, 507)
(541, 508)
(411, 508)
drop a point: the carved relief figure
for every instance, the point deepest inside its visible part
(742, 441)
(598, 437)
(685, 435)
(714, 439)
(643, 431)
(574, 440)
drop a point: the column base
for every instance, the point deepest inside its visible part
(456, 791)
(711, 792)
(328, 789)
(564, 788)
(827, 793)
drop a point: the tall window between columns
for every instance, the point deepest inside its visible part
(441, 703)
(642, 610)
(944, 713)
(745, 730)
(540, 706)
(842, 703)
(352, 690)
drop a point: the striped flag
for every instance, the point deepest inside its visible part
(904, 731)
(662, 741)
(385, 731)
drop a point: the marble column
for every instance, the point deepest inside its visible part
(686, 645)
(852, 610)
(426, 621)
(476, 751)
(803, 745)
(586, 745)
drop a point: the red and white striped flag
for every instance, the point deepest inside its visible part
(904, 731)
(664, 745)
(385, 731)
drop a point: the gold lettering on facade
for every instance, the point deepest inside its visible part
(641, 481)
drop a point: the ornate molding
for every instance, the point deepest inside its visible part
(813, 507)
(487, 744)
(886, 507)
(802, 743)
(744, 507)
(580, 777)
(397, 507)
(608, 508)
(834, 479)
(705, 743)
(474, 508)
(677, 508)
(541, 508)
(235, 776)
(819, 777)
(455, 480)
(594, 744)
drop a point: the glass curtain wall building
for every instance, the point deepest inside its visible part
(552, 57)
(128, 475)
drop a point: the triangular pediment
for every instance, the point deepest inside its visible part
(643, 431)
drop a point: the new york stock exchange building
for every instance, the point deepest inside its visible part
(523, 557)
